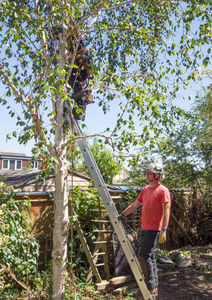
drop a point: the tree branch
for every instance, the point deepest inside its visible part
(91, 14)
(14, 277)
(98, 12)
(26, 102)
(44, 44)
(150, 38)
(124, 110)
(77, 138)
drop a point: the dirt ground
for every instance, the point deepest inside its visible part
(188, 283)
(192, 283)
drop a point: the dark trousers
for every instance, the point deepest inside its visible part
(147, 257)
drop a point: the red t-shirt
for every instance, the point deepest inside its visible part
(152, 212)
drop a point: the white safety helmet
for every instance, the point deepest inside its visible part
(155, 168)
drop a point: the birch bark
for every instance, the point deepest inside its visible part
(61, 225)
(61, 220)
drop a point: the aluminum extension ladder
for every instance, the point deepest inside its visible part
(111, 210)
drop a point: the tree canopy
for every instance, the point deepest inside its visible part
(204, 107)
(143, 52)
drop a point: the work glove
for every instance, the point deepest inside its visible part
(162, 236)
(121, 217)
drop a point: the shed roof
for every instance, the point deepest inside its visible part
(17, 177)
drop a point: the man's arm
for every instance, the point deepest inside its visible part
(131, 208)
(166, 214)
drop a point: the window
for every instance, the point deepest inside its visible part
(18, 164)
(5, 164)
(11, 164)
(34, 164)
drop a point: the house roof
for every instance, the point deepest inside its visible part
(21, 177)
(121, 176)
(14, 155)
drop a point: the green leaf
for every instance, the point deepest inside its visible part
(75, 66)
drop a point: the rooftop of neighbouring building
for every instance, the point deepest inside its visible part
(14, 155)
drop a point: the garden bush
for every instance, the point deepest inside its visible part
(18, 248)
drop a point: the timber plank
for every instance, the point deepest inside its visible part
(120, 279)
(86, 248)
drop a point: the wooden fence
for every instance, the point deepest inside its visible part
(42, 217)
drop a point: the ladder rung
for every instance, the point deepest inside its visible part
(115, 197)
(102, 210)
(99, 265)
(100, 221)
(99, 253)
(102, 242)
(104, 231)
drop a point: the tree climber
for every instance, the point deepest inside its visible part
(79, 78)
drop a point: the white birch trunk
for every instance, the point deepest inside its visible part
(61, 218)
(60, 233)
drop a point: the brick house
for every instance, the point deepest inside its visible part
(17, 161)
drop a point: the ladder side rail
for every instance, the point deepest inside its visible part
(112, 212)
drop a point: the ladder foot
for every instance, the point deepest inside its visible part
(153, 293)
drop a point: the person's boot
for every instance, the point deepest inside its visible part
(82, 106)
(89, 94)
(86, 97)
(78, 94)
(78, 88)
(153, 292)
(86, 94)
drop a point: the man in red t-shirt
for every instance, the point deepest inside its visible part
(155, 218)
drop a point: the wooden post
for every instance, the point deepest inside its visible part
(95, 258)
(86, 249)
(181, 228)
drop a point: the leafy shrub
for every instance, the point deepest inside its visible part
(19, 249)
(85, 204)
(4, 240)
